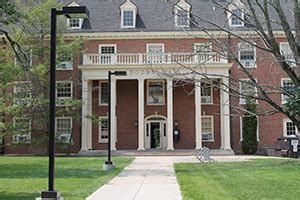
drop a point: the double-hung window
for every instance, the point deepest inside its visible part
(65, 61)
(103, 93)
(128, 14)
(182, 14)
(24, 57)
(63, 129)
(156, 92)
(107, 54)
(103, 129)
(182, 18)
(289, 128)
(64, 91)
(207, 126)
(22, 129)
(22, 93)
(128, 19)
(247, 90)
(286, 51)
(155, 53)
(203, 52)
(75, 23)
(247, 55)
(288, 86)
(206, 93)
(236, 18)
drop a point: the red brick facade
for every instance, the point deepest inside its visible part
(270, 127)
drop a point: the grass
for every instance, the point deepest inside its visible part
(260, 179)
(76, 177)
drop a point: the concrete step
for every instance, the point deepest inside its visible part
(155, 152)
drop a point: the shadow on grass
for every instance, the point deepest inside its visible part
(41, 171)
(18, 196)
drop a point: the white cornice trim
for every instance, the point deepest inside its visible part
(167, 66)
(161, 35)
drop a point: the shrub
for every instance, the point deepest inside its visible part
(249, 120)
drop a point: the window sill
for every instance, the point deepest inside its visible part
(208, 104)
(208, 140)
(103, 104)
(283, 102)
(156, 104)
(248, 67)
(20, 143)
(59, 69)
(103, 141)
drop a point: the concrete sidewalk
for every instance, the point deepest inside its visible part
(147, 178)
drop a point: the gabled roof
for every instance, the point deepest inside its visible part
(157, 15)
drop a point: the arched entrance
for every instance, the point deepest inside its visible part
(155, 132)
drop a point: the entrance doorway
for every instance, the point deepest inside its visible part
(155, 134)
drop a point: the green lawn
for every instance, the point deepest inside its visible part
(266, 179)
(76, 177)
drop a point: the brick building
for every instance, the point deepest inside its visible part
(153, 41)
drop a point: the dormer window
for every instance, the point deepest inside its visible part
(182, 14)
(75, 23)
(237, 18)
(128, 14)
(235, 14)
(128, 18)
(183, 18)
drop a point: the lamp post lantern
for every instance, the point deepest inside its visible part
(108, 165)
(70, 12)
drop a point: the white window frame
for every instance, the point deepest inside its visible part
(15, 92)
(71, 63)
(100, 140)
(254, 65)
(241, 129)
(203, 44)
(71, 126)
(100, 89)
(177, 10)
(283, 100)
(292, 62)
(134, 18)
(212, 128)
(112, 57)
(63, 98)
(29, 132)
(230, 15)
(211, 96)
(241, 99)
(205, 56)
(285, 120)
(30, 61)
(159, 58)
(182, 6)
(163, 84)
(76, 27)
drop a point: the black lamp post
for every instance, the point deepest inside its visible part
(109, 164)
(70, 12)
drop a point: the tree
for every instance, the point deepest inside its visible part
(249, 120)
(262, 19)
(32, 65)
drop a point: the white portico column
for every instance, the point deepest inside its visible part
(113, 118)
(198, 131)
(141, 115)
(86, 129)
(170, 114)
(225, 116)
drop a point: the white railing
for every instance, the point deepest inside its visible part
(144, 58)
